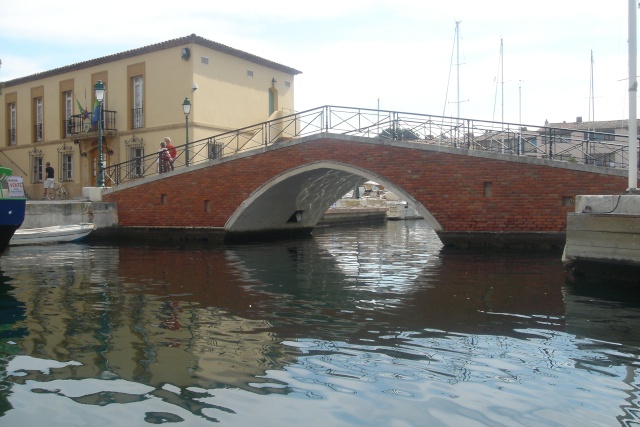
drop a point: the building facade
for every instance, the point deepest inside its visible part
(52, 116)
(599, 143)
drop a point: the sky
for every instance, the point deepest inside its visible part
(519, 62)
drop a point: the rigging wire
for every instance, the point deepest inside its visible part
(446, 96)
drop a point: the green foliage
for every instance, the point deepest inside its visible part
(400, 134)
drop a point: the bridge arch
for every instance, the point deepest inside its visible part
(298, 198)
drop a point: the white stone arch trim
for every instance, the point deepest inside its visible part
(364, 173)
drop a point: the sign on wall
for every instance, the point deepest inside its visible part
(16, 186)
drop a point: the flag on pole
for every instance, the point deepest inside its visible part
(83, 111)
(96, 113)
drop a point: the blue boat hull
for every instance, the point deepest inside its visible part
(11, 217)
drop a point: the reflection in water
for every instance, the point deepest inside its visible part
(374, 325)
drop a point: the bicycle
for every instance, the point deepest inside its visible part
(60, 191)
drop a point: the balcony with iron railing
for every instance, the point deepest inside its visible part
(39, 132)
(11, 137)
(558, 144)
(137, 119)
(84, 123)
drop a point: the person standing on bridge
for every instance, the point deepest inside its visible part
(163, 158)
(173, 153)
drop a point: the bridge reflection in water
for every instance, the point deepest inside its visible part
(364, 326)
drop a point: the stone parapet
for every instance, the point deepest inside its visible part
(66, 212)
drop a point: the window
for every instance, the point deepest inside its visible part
(273, 101)
(609, 134)
(38, 128)
(65, 160)
(250, 73)
(136, 157)
(12, 123)
(36, 157)
(603, 135)
(138, 117)
(204, 60)
(136, 154)
(287, 83)
(593, 136)
(216, 150)
(68, 112)
(67, 167)
(529, 144)
(602, 159)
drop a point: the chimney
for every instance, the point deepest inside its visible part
(579, 119)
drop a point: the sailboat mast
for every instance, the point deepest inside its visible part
(591, 96)
(502, 75)
(458, 64)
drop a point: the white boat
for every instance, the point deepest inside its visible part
(375, 196)
(401, 210)
(53, 234)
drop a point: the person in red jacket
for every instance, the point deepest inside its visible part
(173, 153)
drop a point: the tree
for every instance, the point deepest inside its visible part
(400, 134)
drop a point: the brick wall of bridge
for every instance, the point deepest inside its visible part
(524, 197)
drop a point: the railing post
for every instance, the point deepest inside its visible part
(264, 134)
(325, 118)
(394, 126)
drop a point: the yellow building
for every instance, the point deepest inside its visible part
(49, 116)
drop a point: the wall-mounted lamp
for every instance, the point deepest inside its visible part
(83, 154)
(185, 54)
(273, 82)
(76, 141)
(110, 152)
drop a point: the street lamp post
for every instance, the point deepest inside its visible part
(186, 107)
(99, 92)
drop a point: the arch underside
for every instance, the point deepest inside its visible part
(297, 199)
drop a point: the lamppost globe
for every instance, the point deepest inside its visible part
(186, 108)
(99, 91)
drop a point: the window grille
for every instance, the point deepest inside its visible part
(135, 162)
(216, 150)
(65, 162)
(36, 161)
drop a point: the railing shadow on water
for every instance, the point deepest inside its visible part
(562, 144)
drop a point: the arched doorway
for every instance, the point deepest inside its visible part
(93, 163)
(273, 100)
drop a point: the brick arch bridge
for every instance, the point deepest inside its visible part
(470, 198)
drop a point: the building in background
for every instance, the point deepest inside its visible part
(51, 116)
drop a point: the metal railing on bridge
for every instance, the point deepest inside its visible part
(562, 144)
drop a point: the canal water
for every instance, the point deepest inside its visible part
(357, 326)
